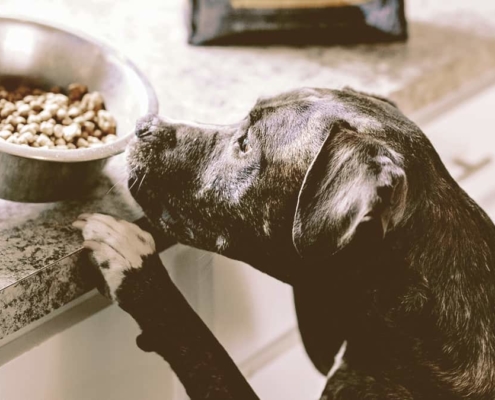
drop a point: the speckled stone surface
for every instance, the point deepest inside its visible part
(450, 44)
(42, 291)
(40, 268)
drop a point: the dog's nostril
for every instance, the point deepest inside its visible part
(141, 133)
(147, 125)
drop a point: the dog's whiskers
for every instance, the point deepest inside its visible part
(113, 186)
(142, 180)
(121, 180)
(133, 183)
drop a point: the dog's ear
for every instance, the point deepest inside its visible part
(353, 179)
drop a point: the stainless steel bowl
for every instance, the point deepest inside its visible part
(50, 55)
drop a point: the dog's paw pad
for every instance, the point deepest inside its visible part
(116, 246)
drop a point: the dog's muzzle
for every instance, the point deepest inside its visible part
(152, 126)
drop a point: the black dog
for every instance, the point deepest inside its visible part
(339, 195)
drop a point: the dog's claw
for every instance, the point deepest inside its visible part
(79, 224)
(91, 245)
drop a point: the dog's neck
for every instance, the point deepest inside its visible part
(448, 237)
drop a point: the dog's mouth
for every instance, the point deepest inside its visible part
(155, 205)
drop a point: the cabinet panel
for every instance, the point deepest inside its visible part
(92, 360)
(251, 309)
(290, 377)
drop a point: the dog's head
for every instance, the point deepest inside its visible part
(297, 177)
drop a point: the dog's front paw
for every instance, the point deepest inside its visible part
(117, 246)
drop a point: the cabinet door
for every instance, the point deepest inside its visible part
(95, 359)
(289, 377)
(251, 309)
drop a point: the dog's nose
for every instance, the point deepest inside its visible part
(163, 130)
(147, 125)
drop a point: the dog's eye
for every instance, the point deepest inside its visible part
(244, 145)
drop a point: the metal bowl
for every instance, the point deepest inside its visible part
(49, 56)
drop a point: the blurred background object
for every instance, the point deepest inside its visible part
(296, 21)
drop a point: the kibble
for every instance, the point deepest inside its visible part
(24, 109)
(82, 142)
(61, 113)
(12, 139)
(45, 115)
(71, 131)
(58, 131)
(43, 140)
(54, 120)
(28, 137)
(33, 118)
(109, 138)
(93, 140)
(7, 109)
(5, 134)
(46, 128)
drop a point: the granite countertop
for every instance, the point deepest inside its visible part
(450, 44)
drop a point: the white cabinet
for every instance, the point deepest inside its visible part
(290, 377)
(251, 309)
(95, 359)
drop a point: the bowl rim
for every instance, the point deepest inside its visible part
(89, 154)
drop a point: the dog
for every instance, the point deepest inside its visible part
(338, 194)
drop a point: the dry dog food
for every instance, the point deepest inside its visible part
(296, 21)
(53, 120)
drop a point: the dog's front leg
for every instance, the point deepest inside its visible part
(135, 277)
